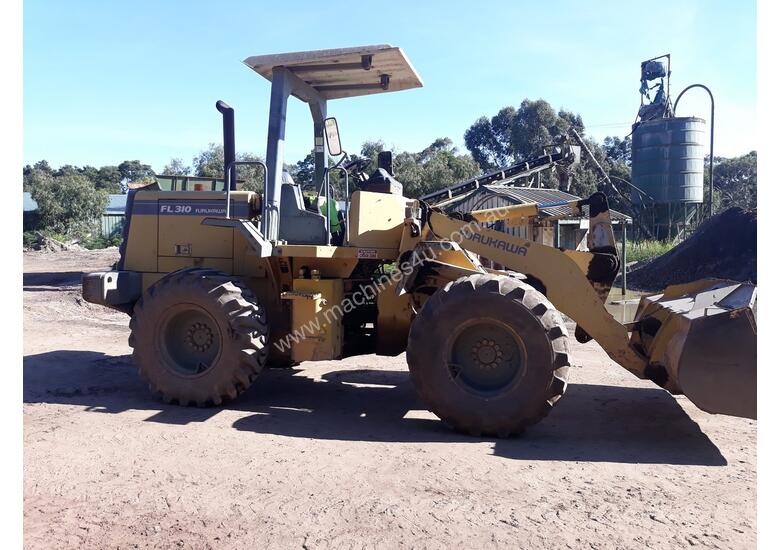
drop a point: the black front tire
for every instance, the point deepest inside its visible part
(489, 355)
(198, 337)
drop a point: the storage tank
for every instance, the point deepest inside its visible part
(667, 160)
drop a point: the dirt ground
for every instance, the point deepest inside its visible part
(342, 454)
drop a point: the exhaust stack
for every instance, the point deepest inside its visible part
(229, 142)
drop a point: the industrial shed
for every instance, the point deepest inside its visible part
(568, 232)
(114, 217)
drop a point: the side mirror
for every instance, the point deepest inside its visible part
(332, 136)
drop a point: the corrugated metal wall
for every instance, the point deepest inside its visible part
(668, 160)
(111, 224)
(482, 200)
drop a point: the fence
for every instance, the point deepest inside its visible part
(111, 225)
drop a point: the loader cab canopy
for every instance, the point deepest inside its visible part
(315, 77)
(343, 72)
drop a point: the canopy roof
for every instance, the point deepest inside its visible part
(344, 72)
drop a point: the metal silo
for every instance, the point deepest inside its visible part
(667, 157)
(667, 161)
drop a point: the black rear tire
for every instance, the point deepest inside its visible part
(198, 337)
(489, 355)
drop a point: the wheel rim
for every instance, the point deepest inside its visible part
(190, 340)
(486, 356)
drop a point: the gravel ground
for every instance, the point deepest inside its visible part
(342, 454)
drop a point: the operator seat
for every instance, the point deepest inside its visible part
(296, 224)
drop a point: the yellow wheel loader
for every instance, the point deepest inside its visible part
(220, 284)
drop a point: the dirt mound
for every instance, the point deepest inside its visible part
(724, 246)
(48, 244)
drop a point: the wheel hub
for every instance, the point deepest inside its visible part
(486, 357)
(487, 353)
(200, 336)
(190, 339)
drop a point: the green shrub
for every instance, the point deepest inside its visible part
(638, 251)
(99, 241)
(69, 205)
(29, 239)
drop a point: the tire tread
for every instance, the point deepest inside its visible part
(513, 289)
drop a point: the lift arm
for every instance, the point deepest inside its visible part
(576, 282)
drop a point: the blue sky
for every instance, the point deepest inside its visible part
(109, 81)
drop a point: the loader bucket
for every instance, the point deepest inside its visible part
(700, 340)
